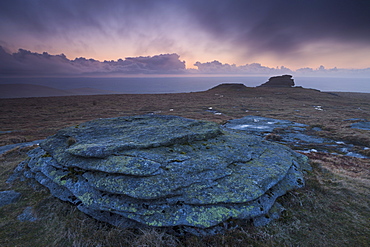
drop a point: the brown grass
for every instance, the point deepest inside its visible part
(36, 118)
(332, 210)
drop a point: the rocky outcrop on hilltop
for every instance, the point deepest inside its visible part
(166, 171)
(279, 81)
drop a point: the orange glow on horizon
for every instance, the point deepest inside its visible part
(330, 55)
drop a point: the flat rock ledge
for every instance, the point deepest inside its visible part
(166, 171)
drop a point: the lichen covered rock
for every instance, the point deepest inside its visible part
(165, 171)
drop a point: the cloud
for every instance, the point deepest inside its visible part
(216, 67)
(237, 31)
(321, 71)
(31, 64)
(27, 63)
(46, 18)
(169, 63)
(282, 26)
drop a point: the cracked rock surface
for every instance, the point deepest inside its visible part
(165, 171)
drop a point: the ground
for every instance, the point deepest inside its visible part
(332, 210)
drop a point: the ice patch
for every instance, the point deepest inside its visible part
(246, 126)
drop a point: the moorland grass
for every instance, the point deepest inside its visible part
(332, 210)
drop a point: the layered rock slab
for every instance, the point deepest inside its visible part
(165, 171)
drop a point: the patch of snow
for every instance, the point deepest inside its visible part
(242, 126)
(262, 127)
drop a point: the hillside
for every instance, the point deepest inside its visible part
(332, 210)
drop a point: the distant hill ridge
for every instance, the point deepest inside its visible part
(31, 90)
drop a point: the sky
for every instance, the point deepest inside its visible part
(177, 36)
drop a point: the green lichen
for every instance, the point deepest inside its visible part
(87, 199)
(206, 217)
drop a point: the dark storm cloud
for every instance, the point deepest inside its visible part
(26, 63)
(257, 26)
(243, 29)
(45, 17)
(284, 25)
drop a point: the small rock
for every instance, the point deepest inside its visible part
(4, 149)
(27, 215)
(355, 119)
(361, 125)
(8, 197)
